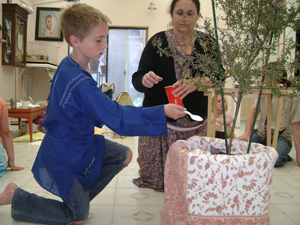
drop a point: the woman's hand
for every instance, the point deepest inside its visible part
(183, 88)
(150, 78)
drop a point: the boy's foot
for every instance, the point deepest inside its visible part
(289, 159)
(8, 193)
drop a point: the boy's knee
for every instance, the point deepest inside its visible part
(129, 157)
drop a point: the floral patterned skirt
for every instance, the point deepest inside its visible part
(152, 151)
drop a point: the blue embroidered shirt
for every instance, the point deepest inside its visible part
(70, 148)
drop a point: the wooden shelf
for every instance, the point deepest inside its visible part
(40, 64)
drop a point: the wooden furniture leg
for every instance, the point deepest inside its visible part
(214, 110)
(30, 126)
(19, 123)
(278, 120)
(209, 110)
(269, 119)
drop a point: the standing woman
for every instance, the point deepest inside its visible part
(155, 72)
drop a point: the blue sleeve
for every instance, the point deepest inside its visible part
(124, 120)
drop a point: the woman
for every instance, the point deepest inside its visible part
(165, 60)
(7, 141)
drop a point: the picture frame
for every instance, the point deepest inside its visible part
(47, 27)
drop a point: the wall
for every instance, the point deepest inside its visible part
(8, 73)
(121, 12)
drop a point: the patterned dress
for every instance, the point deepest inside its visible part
(152, 151)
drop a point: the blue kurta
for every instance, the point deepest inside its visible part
(70, 148)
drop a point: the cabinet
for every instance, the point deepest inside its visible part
(14, 23)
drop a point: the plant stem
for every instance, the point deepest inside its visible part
(237, 109)
(259, 97)
(220, 70)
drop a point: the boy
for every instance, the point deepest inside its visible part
(72, 162)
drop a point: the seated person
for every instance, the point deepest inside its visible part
(289, 120)
(219, 117)
(7, 141)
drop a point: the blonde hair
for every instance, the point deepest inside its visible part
(78, 19)
(225, 101)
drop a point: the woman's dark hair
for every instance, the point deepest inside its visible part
(197, 3)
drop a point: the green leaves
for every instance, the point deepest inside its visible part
(254, 34)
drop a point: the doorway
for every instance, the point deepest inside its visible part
(125, 46)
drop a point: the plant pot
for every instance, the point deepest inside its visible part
(206, 188)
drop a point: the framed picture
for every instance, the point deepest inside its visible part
(47, 27)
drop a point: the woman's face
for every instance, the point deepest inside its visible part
(49, 22)
(184, 16)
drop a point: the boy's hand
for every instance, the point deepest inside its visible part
(150, 78)
(174, 111)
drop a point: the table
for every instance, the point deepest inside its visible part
(29, 114)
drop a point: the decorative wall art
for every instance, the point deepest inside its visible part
(47, 26)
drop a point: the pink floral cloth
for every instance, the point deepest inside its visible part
(206, 188)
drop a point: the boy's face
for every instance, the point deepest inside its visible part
(94, 44)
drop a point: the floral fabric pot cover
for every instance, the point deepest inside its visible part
(206, 188)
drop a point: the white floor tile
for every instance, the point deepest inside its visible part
(106, 197)
(281, 220)
(122, 202)
(289, 209)
(129, 215)
(100, 214)
(152, 215)
(128, 196)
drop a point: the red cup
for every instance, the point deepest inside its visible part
(171, 96)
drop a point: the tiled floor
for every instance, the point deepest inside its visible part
(123, 203)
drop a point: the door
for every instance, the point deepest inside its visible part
(125, 46)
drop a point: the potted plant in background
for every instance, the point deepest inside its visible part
(202, 186)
